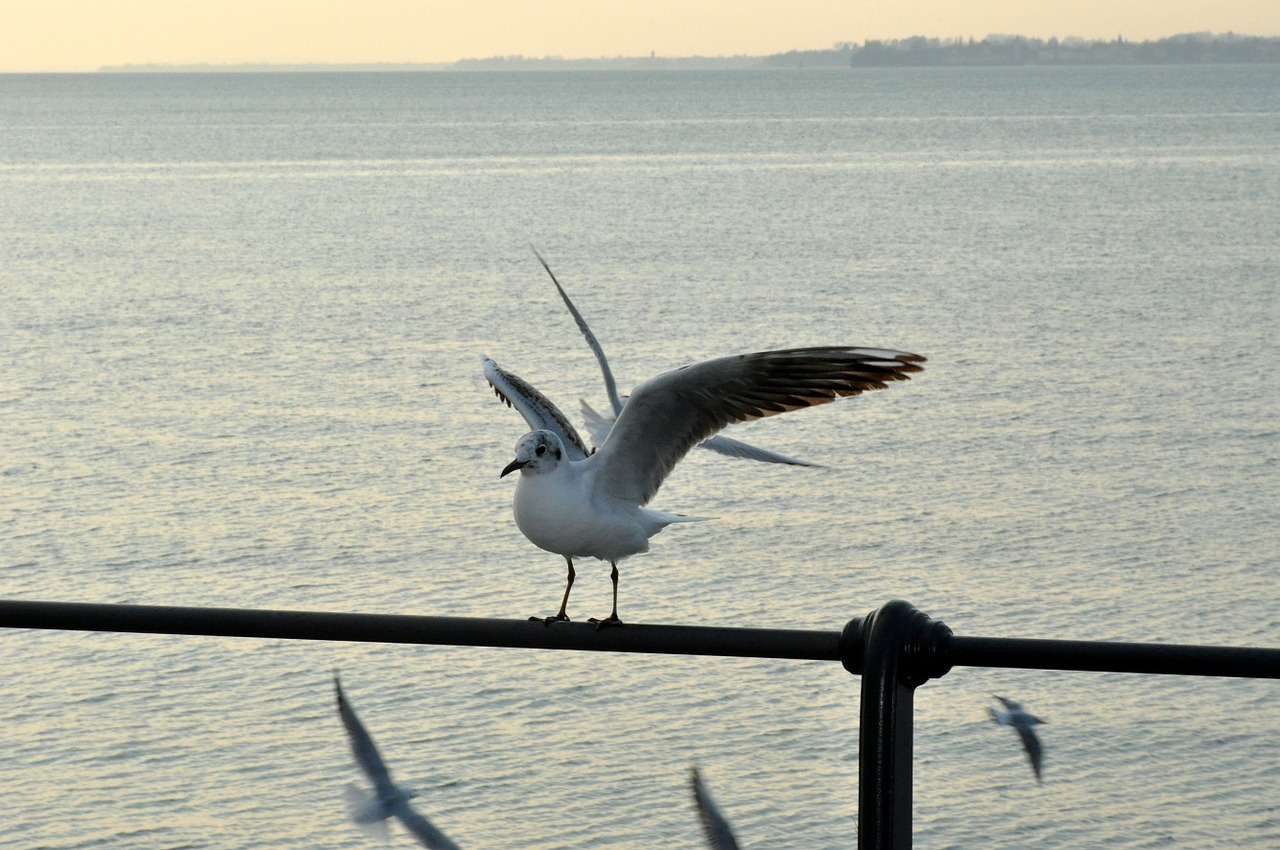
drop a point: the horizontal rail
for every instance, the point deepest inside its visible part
(1179, 659)
(399, 628)
(948, 651)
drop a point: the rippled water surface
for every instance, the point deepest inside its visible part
(241, 337)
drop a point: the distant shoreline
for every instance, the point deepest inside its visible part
(918, 51)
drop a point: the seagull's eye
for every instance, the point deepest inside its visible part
(541, 451)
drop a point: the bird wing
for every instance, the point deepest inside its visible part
(721, 444)
(598, 425)
(537, 409)
(362, 746)
(422, 829)
(610, 386)
(1035, 752)
(670, 414)
(716, 829)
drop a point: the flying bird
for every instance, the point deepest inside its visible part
(1024, 724)
(577, 503)
(716, 829)
(388, 799)
(598, 424)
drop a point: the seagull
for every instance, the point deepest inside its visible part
(1024, 724)
(598, 425)
(577, 503)
(714, 826)
(388, 799)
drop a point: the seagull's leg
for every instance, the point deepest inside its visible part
(612, 619)
(563, 602)
(568, 585)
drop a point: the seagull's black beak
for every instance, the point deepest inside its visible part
(512, 467)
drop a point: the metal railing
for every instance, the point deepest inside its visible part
(895, 649)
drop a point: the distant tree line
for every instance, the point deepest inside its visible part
(1190, 48)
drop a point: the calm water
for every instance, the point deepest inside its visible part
(243, 317)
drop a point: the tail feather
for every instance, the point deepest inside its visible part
(366, 812)
(661, 519)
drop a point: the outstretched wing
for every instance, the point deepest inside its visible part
(610, 386)
(714, 826)
(362, 746)
(670, 414)
(537, 409)
(720, 444)
(1031, 743)
(599, 426)
(422, 829)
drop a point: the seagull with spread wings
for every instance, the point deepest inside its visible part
(388, 800)
(1025, 725)
(577, 503)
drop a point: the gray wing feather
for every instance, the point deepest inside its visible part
(362, 746)
(537, 409)
(599, 427)
(610, 385)
(668, 415)
(423, 830)
(721, 444)
(716, 829)
(1031, 743)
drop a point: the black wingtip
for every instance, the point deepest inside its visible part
(564, 297)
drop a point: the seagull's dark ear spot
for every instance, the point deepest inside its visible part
(557, 454)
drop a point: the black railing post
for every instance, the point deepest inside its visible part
(895, 648)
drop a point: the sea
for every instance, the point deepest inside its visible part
(242, 323)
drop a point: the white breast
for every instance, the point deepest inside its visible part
(558, 512)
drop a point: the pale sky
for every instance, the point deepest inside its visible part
(83, 35)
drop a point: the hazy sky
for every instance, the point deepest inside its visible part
(82, 35)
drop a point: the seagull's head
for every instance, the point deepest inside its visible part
(536, 453)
